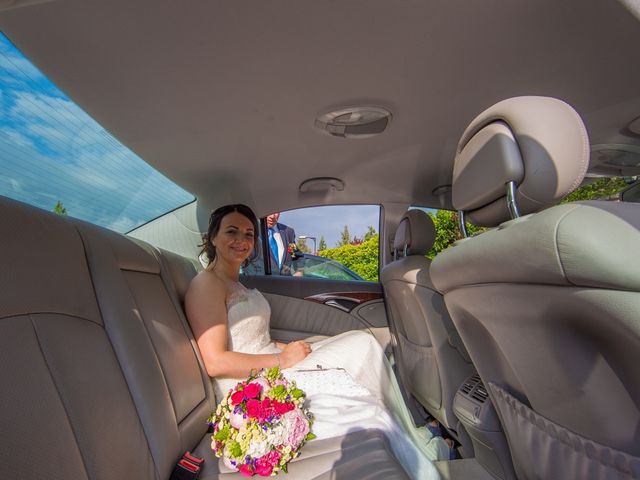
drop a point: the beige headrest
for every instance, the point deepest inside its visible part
(416, 232)
(538, 142)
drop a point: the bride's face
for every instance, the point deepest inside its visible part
(235, 238)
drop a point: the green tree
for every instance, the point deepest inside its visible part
(370, 233)
(323, 244)
(345, 237)
(302, 245)
(59, 209)
(362, 258)
(447, 230)
(603, 188)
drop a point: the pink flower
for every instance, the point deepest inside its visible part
(246, 470)
(263, 469)
(253, 408)
(298, 427)
(237, 398)
(263, 382)
(237, 420)
(252, 390)
(265, 464)
(282, 408)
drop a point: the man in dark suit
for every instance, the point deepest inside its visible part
(282, 245)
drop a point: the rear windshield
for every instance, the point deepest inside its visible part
(56, 157)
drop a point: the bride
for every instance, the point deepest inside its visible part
(348, 381)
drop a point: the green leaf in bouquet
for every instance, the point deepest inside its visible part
(284, 468)
(222, 434)
(273, 373)
(297, 393)
(310, 436)
(235, 450)
(279, 392)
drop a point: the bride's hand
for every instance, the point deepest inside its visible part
(293, 353)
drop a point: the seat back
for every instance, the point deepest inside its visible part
(105, 378)
(431, 358)
(66, 410)
(150, 335)
(548, 303)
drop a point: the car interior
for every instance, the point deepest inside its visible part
(521, 338)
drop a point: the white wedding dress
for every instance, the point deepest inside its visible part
(348, 382)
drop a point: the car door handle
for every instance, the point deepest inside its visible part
(339, 306)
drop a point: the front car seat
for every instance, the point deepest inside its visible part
(547, 304)
(431, 358)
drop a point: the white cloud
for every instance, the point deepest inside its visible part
(18, 139)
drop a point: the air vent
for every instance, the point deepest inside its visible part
(468, 386)
(474, 388)
(480, 393)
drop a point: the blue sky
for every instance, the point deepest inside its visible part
(329, 221)
(51, 150)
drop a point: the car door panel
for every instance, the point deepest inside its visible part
(303, 308)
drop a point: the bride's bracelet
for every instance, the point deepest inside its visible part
(278, 359)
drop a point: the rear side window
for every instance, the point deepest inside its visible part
(328, 242)
(54, 156)
(605, 188)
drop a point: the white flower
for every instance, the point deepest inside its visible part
(228, 463)
(238, 420)
(258, 449)
(277, 435)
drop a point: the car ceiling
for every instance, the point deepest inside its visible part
(221, 96)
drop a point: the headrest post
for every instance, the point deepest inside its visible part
(404, 252)
(462, 223)
(511, 200)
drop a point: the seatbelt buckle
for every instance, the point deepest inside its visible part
(193, 459)
(185, 470)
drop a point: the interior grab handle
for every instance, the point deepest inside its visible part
(339, 306)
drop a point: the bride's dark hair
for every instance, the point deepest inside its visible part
(214, 226)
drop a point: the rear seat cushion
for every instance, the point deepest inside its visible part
(357, 455)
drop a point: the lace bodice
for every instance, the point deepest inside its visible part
(248, 315)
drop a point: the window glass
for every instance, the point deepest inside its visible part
(54, 156)
(603, 188)
(329, 242)
(447, 229)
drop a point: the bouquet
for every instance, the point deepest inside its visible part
(261, 424)
(294, 251)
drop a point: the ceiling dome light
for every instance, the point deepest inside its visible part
(354, 122)
(321, 184)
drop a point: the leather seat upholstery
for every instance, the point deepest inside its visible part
(548, 303)
(101, 376)
(431, 358)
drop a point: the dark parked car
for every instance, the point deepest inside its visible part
(321, 267)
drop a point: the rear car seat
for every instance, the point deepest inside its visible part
(101, 376)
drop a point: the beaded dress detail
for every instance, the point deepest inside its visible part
(248, 317)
